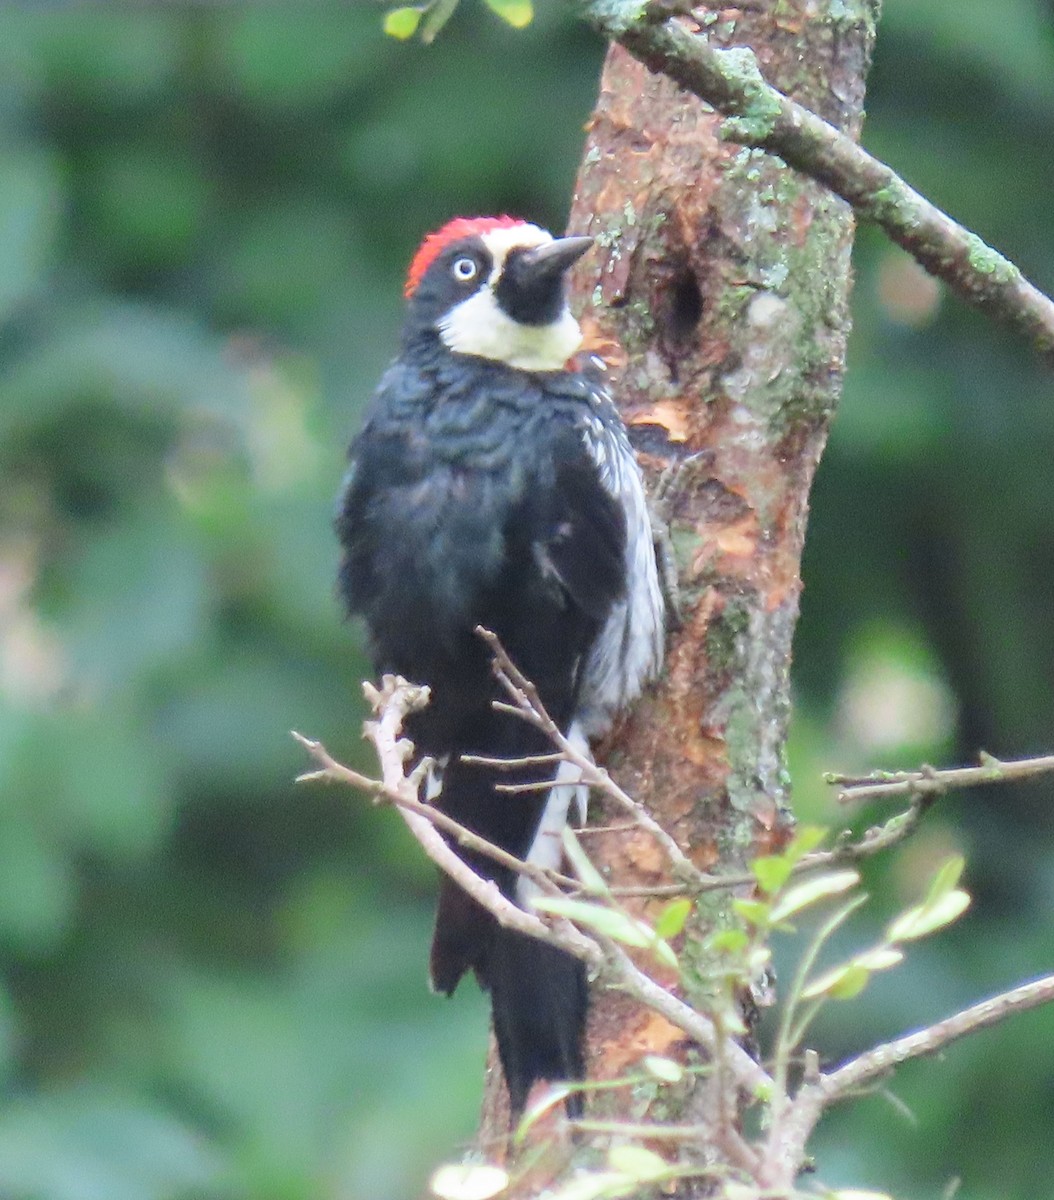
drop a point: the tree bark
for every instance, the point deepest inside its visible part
(719, 293)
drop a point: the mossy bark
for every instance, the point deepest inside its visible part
(719, 292)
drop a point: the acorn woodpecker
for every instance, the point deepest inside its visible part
(493, 484)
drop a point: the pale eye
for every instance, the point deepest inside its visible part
(464, 269)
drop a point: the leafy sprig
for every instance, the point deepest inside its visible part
(427, 20)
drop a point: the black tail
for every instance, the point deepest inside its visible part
(539, 998)
(538, 994)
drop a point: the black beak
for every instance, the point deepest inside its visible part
(554, 258)
(531, 287)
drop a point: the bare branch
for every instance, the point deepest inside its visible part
(392, 702)
(335, 772)
(622, 973)
(873, 841)
(527, 704)
(786, 1148)
(867, 1067)
(512, 764)
(928, 782)
(731, 82)
(778, 1161)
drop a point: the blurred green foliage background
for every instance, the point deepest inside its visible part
(212, 984)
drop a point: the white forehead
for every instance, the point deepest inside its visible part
(500, 241)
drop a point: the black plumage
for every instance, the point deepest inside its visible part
(475, 496)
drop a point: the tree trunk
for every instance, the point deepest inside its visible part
(719, 292)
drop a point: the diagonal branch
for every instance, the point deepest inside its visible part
(761, 116)
(863, 1070)
(776, 1163)
(787, 1144)
(332, 771)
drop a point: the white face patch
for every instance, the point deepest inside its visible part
(479, 326)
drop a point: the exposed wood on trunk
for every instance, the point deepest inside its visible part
(719, 289)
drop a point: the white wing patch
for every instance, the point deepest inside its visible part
(629, 649)
(547, 848)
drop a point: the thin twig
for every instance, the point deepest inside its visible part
(527, 704)
(393, 702)
(622, 827)
(537, 785)
(626, 1129)
(928, 782)
(333, 771)
(512, 764)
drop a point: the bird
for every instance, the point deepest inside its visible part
(493, 484)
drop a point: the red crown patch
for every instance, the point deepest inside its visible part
(452, 231)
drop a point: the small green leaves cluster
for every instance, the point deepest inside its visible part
(781, 900)
(426, 20)
(944, 903)
(786, 890)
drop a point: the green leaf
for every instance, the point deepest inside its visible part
(638, 1163)
(755, 912)
(881, 958)
(663, 1068)
(435, 16)
(772, 871)
(805, 840)
(730, 1022)
(729, 941)
(468, 1181)
(840, 983)
(665, 953)
(608, 921)
(946, 878)
(402, 23)
(804, 895)
(672, 918)
(592, 1185)
(518, 13)
(851, 984)
(926, 918)
(593, 882)
(758, 959)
